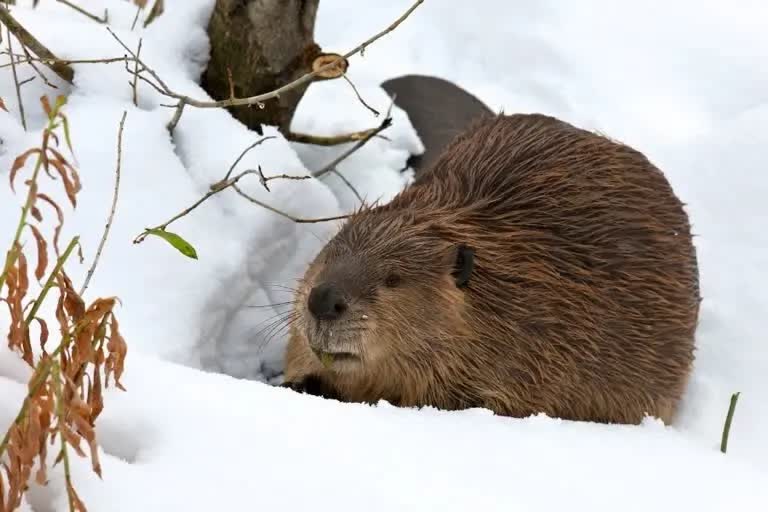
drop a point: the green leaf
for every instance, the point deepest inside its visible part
(176, 241)
(65, 124)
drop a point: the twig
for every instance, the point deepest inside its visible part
(30, 60)
(728, 420)
(135, 85)
(139, 8)
(245, 152)
(112, 209)
(84, 12)
(260, 98)
(16, 79)
(58, 66)
(215, 189)
(48, 62)
(348, 184)
(266, 179)
(332, 140)
(360, 98)
(386, 123)
(297, 220)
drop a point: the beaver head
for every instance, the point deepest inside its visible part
(386, 277)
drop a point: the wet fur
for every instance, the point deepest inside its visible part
(582, 300)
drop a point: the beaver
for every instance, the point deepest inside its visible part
(536, 267)
(438, 110)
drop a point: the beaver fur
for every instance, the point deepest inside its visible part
(534, 268)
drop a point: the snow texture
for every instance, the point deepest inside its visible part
(197, 430)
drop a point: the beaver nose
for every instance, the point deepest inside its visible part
(326, 302)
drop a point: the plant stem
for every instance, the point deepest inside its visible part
(728, 420)
(13, 252)
(45, 368)
(49, 282)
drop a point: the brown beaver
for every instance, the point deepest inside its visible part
(535, 267)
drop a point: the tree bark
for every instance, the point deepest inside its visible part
(264, 44)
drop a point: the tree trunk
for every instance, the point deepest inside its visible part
(265, 44)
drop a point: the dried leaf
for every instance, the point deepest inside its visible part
(43, 332)
(76, 505)
(46, 106)
(20, 161)
(176, 241)
(2, 106)
(60, 217)
(71, 187)
(35, 211)
(42, 252)
(21, 261)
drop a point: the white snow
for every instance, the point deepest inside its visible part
(685, 83)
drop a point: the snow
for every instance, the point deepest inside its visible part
(682, 82)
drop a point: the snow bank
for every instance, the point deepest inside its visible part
(208, 442)
(684, 87)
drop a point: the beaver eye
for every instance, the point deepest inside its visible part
(392, 280)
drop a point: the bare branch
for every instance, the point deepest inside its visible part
(84, 12)
(245, 152)
(177, 115)
(215, 189)
(258, 100)
(297, 220)
(360, 98)
(139, 8)
(348, 184)
(135, 86)
(16, 78)
(332, 140)
(112, 209)
(386, 123)
(30, 60)
(28, 40)
(49, 62)
(266, 179)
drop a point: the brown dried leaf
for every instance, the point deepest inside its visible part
(46, 106)
(42, 252)
(72, 171)
(73, 303)
(21, 261)
(43, 332)
(72, 439)
(2, 106)
(35, 211)
(20, 161)
(117, 349)
(60, 216)
(69, 186)
(75, 504)
(95, 396)
(61, 315)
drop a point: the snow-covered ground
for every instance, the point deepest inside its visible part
(685, 82)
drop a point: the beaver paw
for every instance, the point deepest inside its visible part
(312, 385)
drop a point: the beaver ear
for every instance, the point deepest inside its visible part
(463, 265)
